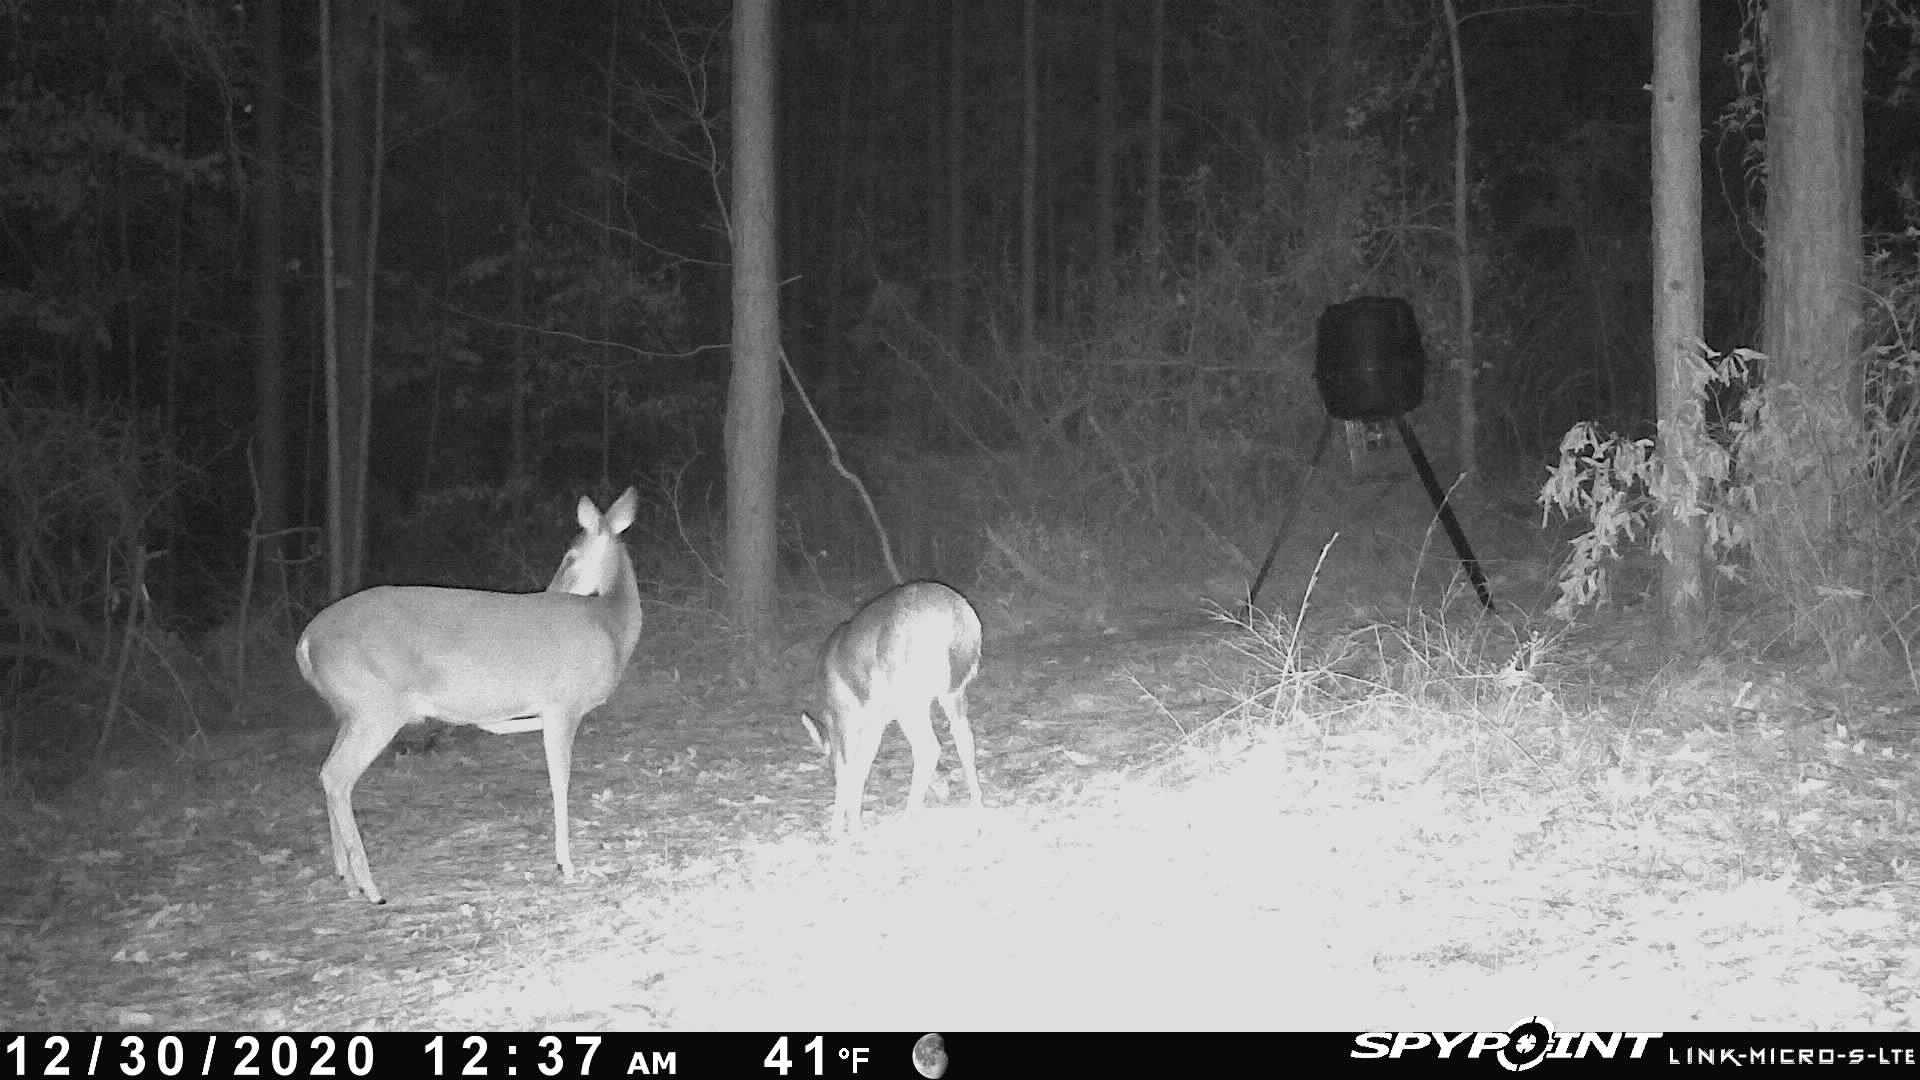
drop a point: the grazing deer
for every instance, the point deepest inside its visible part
(504, 662)
(912, 647)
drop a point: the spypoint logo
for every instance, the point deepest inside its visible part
(1526, 1045)
(1530, 1042)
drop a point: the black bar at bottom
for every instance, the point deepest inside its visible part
(878, 1055)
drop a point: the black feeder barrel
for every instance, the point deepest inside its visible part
(1370, 364)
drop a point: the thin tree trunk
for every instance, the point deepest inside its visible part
(436, 361)
(831, 369)
(1345, 269)
(269, 302)
(1341, 17)
(123, 252)
(350, 232)
(1055, 285)
(518, 464)
(1678, 306)
(1256, 119)
(1464, 364)
(369, 277)
(1029, 178)
(1105, 151)
(866, 181)
(956, 180)
(1150, 224)
(938, 296)
(176, 299)
(330, 319)
(753, 399)
(349, 180)
(937, 178)
(609, 197)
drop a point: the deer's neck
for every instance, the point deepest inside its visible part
(623, 599)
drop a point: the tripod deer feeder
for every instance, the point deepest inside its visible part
(1369, 366)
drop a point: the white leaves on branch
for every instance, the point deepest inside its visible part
(1621, 486)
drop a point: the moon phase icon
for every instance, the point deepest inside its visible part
(930, 1056)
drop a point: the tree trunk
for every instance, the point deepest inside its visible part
(370, 277)
(1811, 450)
(350, 231)
(956, 183)
(269, 303)
(518, 465)
(1679, 279)
(1465, 367)
(831, 369)
(753, 399)
(177, 214)
(330, 318)
(882, 381)
(1029, 177)
(348, 243)
(129, 314)
(937, 178)
(444, 323)
(1341, 17)
(609, 199)
(1104, 153)
(1150, 223)
(1344, 267)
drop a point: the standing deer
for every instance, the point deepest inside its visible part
(912, 647)
(507, 663)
